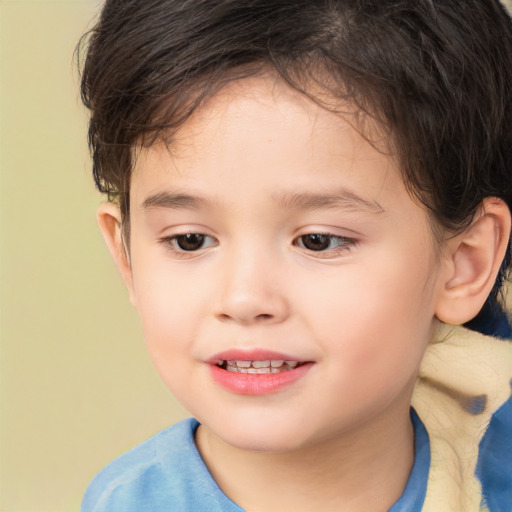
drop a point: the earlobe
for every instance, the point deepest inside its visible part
(109, 221)
(472, 262)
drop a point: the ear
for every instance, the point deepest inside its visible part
(472, 261)
(109, 221)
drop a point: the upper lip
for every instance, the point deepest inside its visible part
(252, 355)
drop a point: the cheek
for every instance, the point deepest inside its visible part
(164, 303)
(374, 317)
(168, 332)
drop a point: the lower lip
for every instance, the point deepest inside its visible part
(258, 384)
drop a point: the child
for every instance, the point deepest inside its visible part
(306, 198)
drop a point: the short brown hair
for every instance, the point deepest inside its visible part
(435, 74)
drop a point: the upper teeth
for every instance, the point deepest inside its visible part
(268, 366)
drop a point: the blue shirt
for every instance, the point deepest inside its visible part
(166, 473)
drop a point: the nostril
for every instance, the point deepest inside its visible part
(258, 318)
(247, 307)
(264, 316)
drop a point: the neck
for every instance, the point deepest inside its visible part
(365, 468)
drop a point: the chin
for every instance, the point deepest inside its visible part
(270, 436)
(261, 443)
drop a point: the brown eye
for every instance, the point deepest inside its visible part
(316, 242)
(187, 243)
(331, 245)
(190, 241)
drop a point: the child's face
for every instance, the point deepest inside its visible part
(304, 246)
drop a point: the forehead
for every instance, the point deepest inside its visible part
(237, 112)
(259, 134)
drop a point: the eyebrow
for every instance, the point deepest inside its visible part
(342, 198)
(174, 201)
(294, 201)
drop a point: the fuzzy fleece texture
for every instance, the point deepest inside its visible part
(464, 380)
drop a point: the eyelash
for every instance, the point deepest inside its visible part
(173, 242)
(341, 243)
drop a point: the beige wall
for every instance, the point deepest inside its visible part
(76, 386)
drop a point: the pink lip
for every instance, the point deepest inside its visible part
(256, 384)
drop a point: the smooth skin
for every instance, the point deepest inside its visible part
(271, 223)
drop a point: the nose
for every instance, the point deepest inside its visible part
(251, 290)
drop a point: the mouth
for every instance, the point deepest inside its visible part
(258, 367)
(257, 372)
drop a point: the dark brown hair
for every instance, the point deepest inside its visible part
(436, 75)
